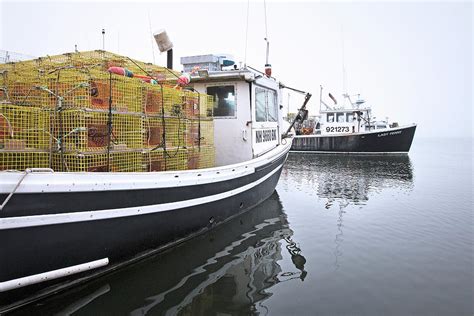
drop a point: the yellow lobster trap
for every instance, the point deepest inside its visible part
(164, 160)
(115, 161)
(201, 157)
(24, 128)
(67, 111)
(88, 131)
(21, 160)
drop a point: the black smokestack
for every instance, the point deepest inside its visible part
(169, 59)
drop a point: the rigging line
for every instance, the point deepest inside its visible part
(247, 32)
(151, 38)
(163, 125)
(147, 73)
(109, 123)
(344, 74)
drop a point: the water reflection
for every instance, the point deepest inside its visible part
(228, 271)
(342, 180)
(347, 179)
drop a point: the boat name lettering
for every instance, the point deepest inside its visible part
(266, 135)
(337, 129)
(389, 133)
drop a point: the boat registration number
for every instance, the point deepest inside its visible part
(337, 129)
(266, 135)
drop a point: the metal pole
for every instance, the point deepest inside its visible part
(297, 117)
(103, 39)
(320, 97)
(169, 59)
(288, 112)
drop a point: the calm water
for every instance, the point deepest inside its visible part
(343, 235)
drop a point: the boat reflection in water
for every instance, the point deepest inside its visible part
(228, 270)
(348, 179)
(343, 180)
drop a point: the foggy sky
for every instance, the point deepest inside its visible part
(411, 61)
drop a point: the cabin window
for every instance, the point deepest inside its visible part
(224, 100)
(266, 107)
(272, 106)
(330, 117)
(260, 107)
(340, 117)
(350, 117)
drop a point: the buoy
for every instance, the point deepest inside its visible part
(127, 73)
(120, 71)
(185, 78)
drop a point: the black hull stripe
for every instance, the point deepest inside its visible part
(388, 141)
(118, 238)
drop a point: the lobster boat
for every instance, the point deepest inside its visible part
(111, 168)
(351, 129)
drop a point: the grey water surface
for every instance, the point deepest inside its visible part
(342, 235)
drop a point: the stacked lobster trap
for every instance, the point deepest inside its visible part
(71, 113)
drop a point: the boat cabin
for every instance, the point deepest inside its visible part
(347, 121)
(342, 120)
(246, 107)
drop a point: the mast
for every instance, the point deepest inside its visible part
(320, 97)
(344, 74)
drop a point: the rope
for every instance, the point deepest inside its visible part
(163, 139)
(109, 122)
(27, 171)
(151, 38)
(59, 110)
(199, 122)
(147, 73)
(9, 124)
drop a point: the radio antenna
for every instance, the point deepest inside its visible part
(266, 30)
(268, 67)
(247, 33)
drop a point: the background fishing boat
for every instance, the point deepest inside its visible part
(352, 129)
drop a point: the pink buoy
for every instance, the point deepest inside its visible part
(120, 71)
(185, 78)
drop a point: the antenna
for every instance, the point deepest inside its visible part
(320, 97)
(344, 74)
(246, 33)
(103, 39)
(268, 67)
